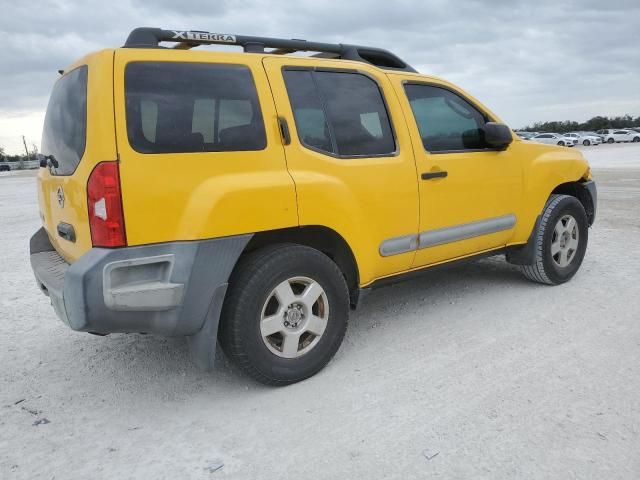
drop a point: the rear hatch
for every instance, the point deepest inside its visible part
(78, 133)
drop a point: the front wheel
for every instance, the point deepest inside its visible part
(611, 140)
(586, 143)
(285, 314)
(560, 241)
(636, 139)
(561, 143)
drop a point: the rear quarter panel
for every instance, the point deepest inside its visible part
(189, 196)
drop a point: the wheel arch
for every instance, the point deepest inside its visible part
(583, 190)
(321, 238)
(579, 190)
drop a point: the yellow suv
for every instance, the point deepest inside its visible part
(253, 197)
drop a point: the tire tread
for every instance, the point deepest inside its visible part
(536, 271)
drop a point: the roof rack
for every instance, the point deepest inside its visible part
(185, 39)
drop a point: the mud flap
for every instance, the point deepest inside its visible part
(203, 344)
(524, 254)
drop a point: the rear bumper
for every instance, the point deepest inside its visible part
(168, 288)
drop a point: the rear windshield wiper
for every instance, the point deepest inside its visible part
(48, 161)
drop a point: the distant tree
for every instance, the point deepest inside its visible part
(595, 123)
(1, 153)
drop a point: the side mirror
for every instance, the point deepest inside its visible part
(497, 134)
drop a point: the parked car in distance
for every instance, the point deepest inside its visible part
(635, 134)
(5, 168)
(526, 135)
(303, 183)
(554, 139)
(615, 135)
(593, 134)
(584, 139)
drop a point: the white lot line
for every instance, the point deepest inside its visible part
(501, 378)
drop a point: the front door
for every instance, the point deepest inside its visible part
(470, 193)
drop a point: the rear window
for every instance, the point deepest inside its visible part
(65, 124)
(192, 107)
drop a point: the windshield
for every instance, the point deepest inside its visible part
(65, 124)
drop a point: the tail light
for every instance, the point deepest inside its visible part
(104, 200)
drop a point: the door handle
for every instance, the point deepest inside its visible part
(432, 175)
(284, 130)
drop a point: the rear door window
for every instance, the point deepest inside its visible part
(192, 107)
(340, 113)
(64, 131)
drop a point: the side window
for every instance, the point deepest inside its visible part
(192, 107)
(339, 113)
(445, 120)
(308, 112)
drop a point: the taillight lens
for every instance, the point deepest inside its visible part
(104, 200)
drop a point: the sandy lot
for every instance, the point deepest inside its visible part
(471, 372)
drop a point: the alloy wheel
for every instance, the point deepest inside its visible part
(565, 240)
(294, 317)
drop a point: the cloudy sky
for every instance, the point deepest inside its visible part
(527, 60)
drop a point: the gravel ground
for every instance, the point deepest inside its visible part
(471, 372)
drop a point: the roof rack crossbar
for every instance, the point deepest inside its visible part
(185, 39)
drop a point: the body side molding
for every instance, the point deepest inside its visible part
(431, 238)
(440, 236)
(398, 245)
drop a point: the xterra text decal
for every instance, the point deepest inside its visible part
(204, 37)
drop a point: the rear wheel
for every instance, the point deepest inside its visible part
(285, 314)
(560, 241)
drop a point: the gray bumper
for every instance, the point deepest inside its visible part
(168, 288)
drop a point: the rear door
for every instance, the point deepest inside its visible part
(78, 133)
(200, 151)
(351, 158)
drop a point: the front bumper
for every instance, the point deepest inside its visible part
(166, 288)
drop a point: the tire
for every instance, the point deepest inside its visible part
(546, 268)
(586, 143)
(256, 286)
(611, 140)
(636, 139)
(561, 144)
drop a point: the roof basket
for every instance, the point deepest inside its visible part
(185, 39)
